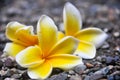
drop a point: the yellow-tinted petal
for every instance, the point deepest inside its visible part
(26, 36)
(72, 19)
(60, 35)
(40, 72)
(11, 29)
(93, 35)
(30, 57)
(13, 49)
(67, 45)
(64, 61)
(86, 50)
(47, 33)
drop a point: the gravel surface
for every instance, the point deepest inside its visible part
(104, 14)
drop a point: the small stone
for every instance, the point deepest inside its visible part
(80, 68)
(105, 45)
(2, 72)
(99, 74)
(9, 79)
(8, 63)
(61, 76)
(75, 77)
(89, 65)
(16, 76)
(117, 48)
(110, 60)
(9, 73)
(71, 72)
(116, 58)
(104, 70)
(116, 34)
(110, 77)
(98, 58)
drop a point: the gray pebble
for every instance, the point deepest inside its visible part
(75, 77)
(61, 76)
(80, 68)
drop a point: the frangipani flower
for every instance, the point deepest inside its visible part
(22, 37)
(90, 38)
(50, 52)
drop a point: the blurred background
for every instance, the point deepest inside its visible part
(104, 14)
(98, 13)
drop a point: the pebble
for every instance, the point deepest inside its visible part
(98, 58)
(16, 76)
(75, 77)
(9, 79)
(61, 76)
(9, 73)
(80, 68)
(71, 72)
(110, 60)
(99, 74)
(9, 63)
(105, 45)
(89, 65)
(116, 34)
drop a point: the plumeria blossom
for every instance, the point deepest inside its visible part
(21, 36)
(90, 38)
(50, 52)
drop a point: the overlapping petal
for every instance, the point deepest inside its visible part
(66, 45)
(72, 19)
(40, 72)
(64, 61)
(30, 57)
(21, 34)
(47, 33)
(86, 50)
(92, 35)
(28, 38)
(13, 49)
(11, 29)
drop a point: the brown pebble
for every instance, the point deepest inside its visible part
(89, 65)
